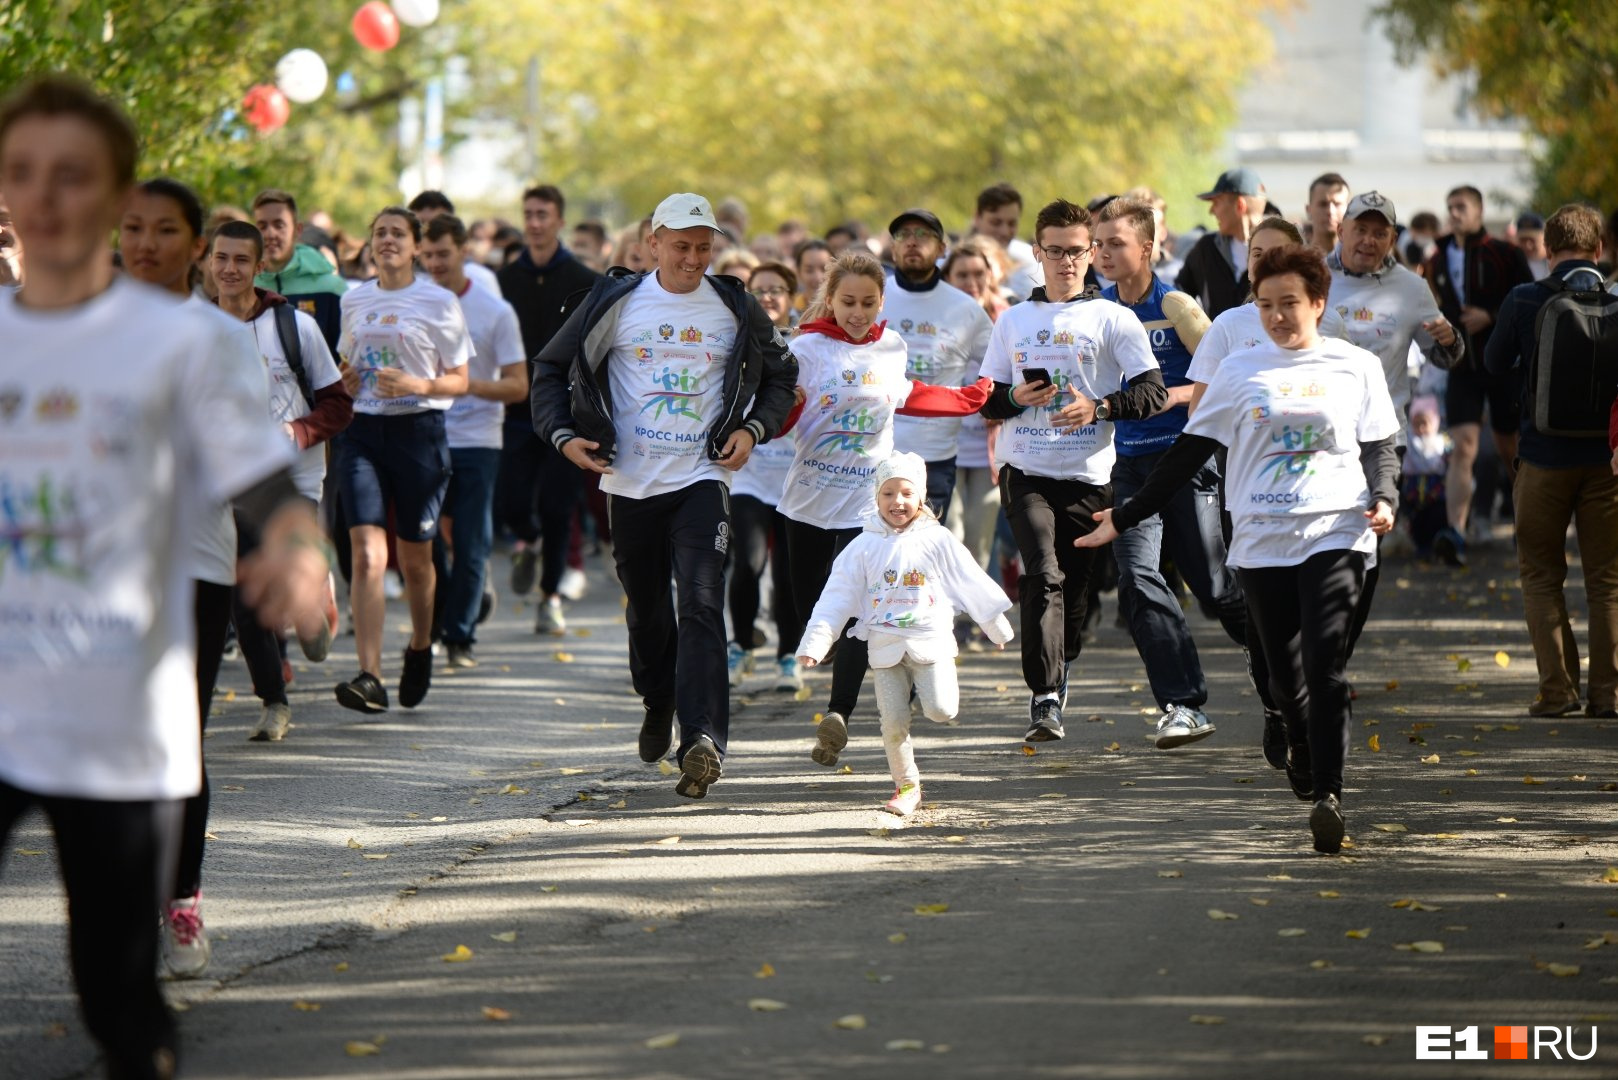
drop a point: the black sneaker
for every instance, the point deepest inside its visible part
(657, 733)
(524, 565)
(1044, 721)
(1275, 738)
(1326, 824)
(699, 768)
(460, 656)
(1300, 773)
(486, 602)
(416, 677)
(363, 693)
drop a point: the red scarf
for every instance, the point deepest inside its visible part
(830, 328)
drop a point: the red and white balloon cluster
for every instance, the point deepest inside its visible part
(301, 76)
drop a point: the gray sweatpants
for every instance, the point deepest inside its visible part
(940, 698)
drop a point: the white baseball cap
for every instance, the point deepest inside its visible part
(1371, 202)
(684, 210)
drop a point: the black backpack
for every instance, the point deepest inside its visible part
(1573, 376)
(286, 328)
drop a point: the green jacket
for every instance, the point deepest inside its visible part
(312, 286)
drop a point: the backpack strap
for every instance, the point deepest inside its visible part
(286, 328)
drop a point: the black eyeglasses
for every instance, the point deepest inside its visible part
(1062, 255)
(773, 290)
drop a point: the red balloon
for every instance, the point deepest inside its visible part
(266, 108)
(376, 26)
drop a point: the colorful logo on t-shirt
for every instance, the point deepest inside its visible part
(927, 329)
(914, 579)
(906, 326)
(643, 354)
(10, 403)
(42, 530)
(373, 361)
(1064, 337)
(666, 332)
(848, 376)
(1295, 458)
(690, 335)
(677, 394)
(1044, 337)
(57, 404)
(848, 432)
(890, 576)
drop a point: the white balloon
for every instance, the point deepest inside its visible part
(301, 76)
(416, 12)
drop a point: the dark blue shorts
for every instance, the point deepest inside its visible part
(397, 461)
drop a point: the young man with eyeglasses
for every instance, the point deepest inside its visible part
(1189, 527)
(1058, 362)
(945, 333)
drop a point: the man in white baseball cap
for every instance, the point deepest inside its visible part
(663, 382)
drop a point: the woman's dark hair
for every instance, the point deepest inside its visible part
(399, 212)
(780, 270)
(1306, 262)
(1282, 226)
(183, 197)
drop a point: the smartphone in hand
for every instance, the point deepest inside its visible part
(1035, 375)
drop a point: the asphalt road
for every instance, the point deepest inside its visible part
(1113, 911)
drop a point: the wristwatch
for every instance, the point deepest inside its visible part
(1103, 409)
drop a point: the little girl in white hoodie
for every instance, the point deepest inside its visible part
(902, 581)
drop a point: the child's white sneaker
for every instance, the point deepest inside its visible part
(906, 798)
(185, 945)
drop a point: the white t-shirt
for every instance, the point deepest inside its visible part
(1383, 313)
(667, 368)
(764, 476)
(485, 278)
(286, 398)
(1242, 327)
(119, 429)
(213, 542)
(946, 333)
(1092, 346)
(972, 444)
(846, 428)
(418, 329)
(496, 342)
(1294, 422)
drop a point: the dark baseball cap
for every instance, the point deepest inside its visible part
(924, 217)
(1235, 182)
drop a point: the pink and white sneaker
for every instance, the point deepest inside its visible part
(185, 945)
(906, 798)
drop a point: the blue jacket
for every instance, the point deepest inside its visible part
(1132, 438)
(1511, 345)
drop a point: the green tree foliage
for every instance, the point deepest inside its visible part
(1552, 62)
(842, 109)
(181, 69)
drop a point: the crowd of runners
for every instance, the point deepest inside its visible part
(862, 450)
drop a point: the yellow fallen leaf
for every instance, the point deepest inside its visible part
(1111, 748)
(1029, 751)
(492, 1013)
(1258, 902)
(513, 789)
(1320, 965)
(663, 1042)
(766, 1005)
(1056, 794)
(1502, 658)
(1375, 743)
(27, 851)
(1374, 1040)
(306, 1006)
(904, 1044)
(1417, 905)
(1358, 935)
(954, 839)
(1427, 946)
(563, 657)
(931, 909)
(1169, 874)
(507, 936)
(846, 769)
(459, 956)
(230, 695)
(1532, 782)
(1221, 916)
(378, 856)
(440, 819)
(1291, 931)
(572, 772)
(1245, 780)
(1611, 876)
(1463, 664)
(1394, 827)
(1510, 727)
(548, 888)
(899, 938)
(801, 694)
(665, 768)
(876, 832)
(361, 1049)
(852, 1022)
(355, 844)
(767, 971)
(619, 805)
(1328, 894)
(340, 966)
(1562, 971)
(1471, 772)
(1400, 904)
(667, 841)
(1198, 1018)
(1393, 684)
(1430, 759)
(1467, 753)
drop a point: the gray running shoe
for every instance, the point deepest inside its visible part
(1181, 725)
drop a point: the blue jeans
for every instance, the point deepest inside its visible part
(470, 505)
(1189, 529)
(940, 487)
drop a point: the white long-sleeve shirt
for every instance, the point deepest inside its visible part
(903, 588)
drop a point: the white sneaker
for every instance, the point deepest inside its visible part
(272, 723)
(790, 678)
(740, 664)
(550, 619)
(185, 943)
(392, 585)
(573, 585)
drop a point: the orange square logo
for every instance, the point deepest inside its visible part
(1511, 1043)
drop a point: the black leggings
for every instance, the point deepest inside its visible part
(115, 860)
(812, 550)
(1304, 615)
(754, 526)
(537, 493)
